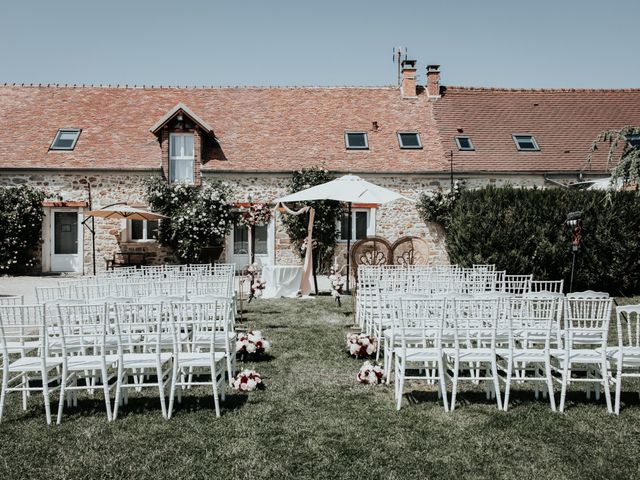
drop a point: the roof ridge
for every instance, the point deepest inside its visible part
(541, 90)
(193, 87)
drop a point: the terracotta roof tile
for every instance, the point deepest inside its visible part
(563, 121)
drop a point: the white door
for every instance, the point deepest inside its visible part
(66, 235)
(238, 245)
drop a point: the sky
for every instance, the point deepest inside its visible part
(489, 43)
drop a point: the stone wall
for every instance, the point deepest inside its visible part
(393, 220)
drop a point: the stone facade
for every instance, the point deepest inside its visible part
(392, 221)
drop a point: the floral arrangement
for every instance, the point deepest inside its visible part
(257, 214)
(256, 282)
(370, 373)
(303, 246)
(252, 343)
(337, 283)
(247, 381)
(361, 345)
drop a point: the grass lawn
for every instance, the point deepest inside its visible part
(314, 420)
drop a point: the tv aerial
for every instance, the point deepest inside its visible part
(397, 58)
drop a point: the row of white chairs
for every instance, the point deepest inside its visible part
(168, 271)
(101, 346)
(134, 287)
(501, 340)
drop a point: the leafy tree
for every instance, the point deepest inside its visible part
(623, 157)
(328, 212)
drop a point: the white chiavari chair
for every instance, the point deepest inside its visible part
(586, 322)
(89, 327)
(201, 357)
(150, 367)
(11, 299)
(474, 323)
(419, 324)
(23, 331)
(527, 354)
(625, 358)
(551, 286)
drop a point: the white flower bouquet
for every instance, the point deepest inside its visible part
(361, 345)
(337, 283)
(252, 343)
(247, 381)
(370, 374)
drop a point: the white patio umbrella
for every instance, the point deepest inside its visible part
(116, 210)
(349, 189)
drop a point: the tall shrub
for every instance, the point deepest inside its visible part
(523, 231)
(327, 214)
(198, 216)
(21, 215)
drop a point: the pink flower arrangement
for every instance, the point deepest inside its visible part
(337, 283)
(258, 214)
(252, 343)
(256, 282)
(247, 381)
(361, 345)
(370, 374)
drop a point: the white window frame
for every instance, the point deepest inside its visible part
(182, 158)
(144, 238)
(533, 140)
(351, 147)
(60, 131)
(471, 147)
(371, 223)
(409, 147)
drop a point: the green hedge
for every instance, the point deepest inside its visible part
(523, 231)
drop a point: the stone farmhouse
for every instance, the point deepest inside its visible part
(413, 138)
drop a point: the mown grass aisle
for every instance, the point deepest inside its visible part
(314, 420)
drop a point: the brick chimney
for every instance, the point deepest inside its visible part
(433, 81)
(408, 86)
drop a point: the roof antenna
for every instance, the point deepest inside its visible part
(397, 58)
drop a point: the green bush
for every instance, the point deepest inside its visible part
(327, 214)
(21, 215)
(199, 217)
(523, 231)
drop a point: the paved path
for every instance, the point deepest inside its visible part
(26, 285)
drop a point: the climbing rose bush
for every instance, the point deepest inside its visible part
(199, 217)
(21, 216)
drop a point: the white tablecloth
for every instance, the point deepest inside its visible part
(281, 280)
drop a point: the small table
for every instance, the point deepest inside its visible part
(282, 280)
(127, 259)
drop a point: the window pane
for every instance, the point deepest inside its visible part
(409, 140)
(464, 143)
(260, 247)
(187, 146)
(175, 145)
(152, 229)
(526, 143)
(137, 230)
(65, 233)
(240, 240)
(181, 170)
(356, 140)
(344, 227)
(361, 225)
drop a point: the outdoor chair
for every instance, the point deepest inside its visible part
(625, 359)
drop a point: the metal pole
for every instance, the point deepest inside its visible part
(93, 232)
(573, 265)
(349, 248)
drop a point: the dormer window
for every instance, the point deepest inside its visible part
(181, 158)
(356, 140)
(65, 139)
(526, 143)
(409, 140)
